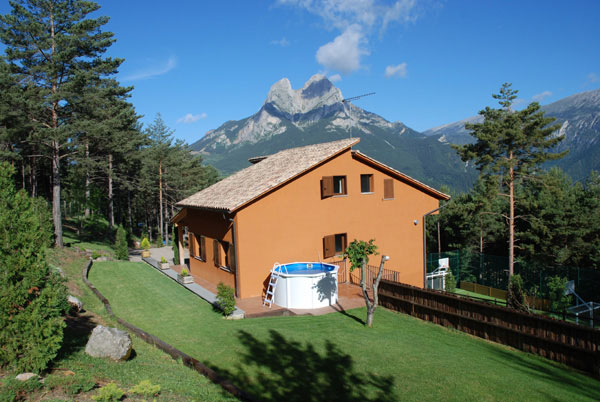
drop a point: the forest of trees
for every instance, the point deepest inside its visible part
(537, 219)
(67, 128)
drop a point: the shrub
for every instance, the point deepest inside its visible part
(184, 272)
(96, 254)
(11, 388)
(450, 282)
(226, 298)
(33, 297)
(516, 294)
(145, 244)
(556, 289)
(175, 242)
(146, 389)
(121, 249)
(108, 393)
(163, 260)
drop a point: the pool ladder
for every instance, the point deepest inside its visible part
(270, 293)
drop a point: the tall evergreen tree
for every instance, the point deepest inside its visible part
(33, 298)
(510, 145)
(55, 50)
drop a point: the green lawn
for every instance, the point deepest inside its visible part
(463, 292)
(334, 357)
(178, 383)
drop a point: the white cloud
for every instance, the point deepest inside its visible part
(356, 20)
(335, 78)
(153, 71)
(191, 118)
(283, 42)
(540, 97)
(396, 71)
(344, 52)
(592, 78)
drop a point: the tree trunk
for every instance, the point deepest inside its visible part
(372, 306)
(166, 213)
(34, 182)
(129, 213)
(511, 220)
(439, 238)
(87, 182)
(56, 214)
(111, 203)
(160, 201)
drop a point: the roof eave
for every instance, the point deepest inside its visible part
(424, 187)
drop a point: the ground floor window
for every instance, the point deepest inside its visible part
(198, 246)
(334, 245)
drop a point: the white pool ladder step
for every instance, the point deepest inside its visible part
(270, 293)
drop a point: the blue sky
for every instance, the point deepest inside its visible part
(201, 63)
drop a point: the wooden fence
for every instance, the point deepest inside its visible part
(567, 343)
(345, 276)
(532, 302)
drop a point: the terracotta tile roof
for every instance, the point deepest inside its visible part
(236, 190)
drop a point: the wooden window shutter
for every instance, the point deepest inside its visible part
(203, 248)
(328, 246)
(326, 186)
(388, 188)
(231, 257)
(216, 253)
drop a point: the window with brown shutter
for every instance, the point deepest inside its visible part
(202, 248)
(326, 186)
(216, 253)
(231, 258)
(339, 185)
(388, 189)
(328, 246)
(334, 245)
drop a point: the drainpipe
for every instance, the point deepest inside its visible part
(235, 251)
(425, 244)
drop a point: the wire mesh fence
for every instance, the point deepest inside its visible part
(492, 270)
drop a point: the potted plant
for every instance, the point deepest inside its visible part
(163, 263)
(185, 277)
(146, 247)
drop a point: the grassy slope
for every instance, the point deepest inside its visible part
(178, 383)
(417, 359)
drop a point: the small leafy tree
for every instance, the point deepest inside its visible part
(450, 282)
(33, 298)
(516, 294)
(556, 288)
(121, 248)
(145, 244)
(226, 298)
(175, 241)
(358, 253)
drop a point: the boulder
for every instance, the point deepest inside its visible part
(109, 342)
(75, 302)
(26, 376)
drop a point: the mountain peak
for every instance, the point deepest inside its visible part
(318, 91)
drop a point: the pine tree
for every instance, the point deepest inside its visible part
(33, 298)
(55, 51)
(510, 145)
(121, 249)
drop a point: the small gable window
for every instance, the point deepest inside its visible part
(333, 185)
(388, 189)
(366, 183)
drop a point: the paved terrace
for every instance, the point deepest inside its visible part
(349, 296)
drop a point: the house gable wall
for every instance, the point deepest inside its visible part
(289, 224)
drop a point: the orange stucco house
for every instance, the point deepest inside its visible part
(304, 204)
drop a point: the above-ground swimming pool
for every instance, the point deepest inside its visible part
(306, 285)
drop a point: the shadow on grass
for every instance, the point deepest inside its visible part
(76, 334)
(549, 371)
(278, 369)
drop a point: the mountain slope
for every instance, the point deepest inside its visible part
(317, 113)
(579, 119)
